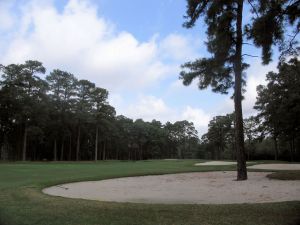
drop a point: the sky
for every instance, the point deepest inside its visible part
(133, 48)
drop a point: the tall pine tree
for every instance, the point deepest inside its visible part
(224, 69)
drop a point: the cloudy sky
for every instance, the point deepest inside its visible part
(133, 48)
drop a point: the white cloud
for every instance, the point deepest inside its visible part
(6, 19)
(256, 76)
(198, 117)
(149, 108)
(179, 48)
(78, 40)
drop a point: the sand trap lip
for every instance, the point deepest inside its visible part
(185, 188)
(215, 163)
(276, 166)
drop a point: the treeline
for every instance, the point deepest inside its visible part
(63, 118)
(274, 133)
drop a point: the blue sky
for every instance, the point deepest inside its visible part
(133, 48)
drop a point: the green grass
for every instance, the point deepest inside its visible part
(21, 200)
(285, 175)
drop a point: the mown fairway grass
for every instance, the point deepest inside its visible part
(22, 202)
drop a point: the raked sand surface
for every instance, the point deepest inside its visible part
(215, 163)
(184, 188)
(276, 166)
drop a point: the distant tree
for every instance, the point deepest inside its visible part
(99, 100)
(62, 92)
(252, 134)
(84, 105)
(180, 133)
(216, 136)
(224, 69)
(26, 91)
(278, 104)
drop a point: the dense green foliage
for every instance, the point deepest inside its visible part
(278, 104)
(22, 202)
(63, 118)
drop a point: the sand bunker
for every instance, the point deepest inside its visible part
(185, 188)
(276, 166)
(215, 163)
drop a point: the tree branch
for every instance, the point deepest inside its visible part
(246, 43)
(250, 55)
(254, 9)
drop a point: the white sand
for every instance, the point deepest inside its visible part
(185, 188)
(276, 166)
(215, 163)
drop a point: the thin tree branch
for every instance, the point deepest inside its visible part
(246, 43)
(250, 55)
(254, 9)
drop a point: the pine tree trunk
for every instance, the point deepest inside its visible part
(104, 146)
(78, 144)
(96, 145)
(292, 150)
(24, 144)
(54, 151)
(4, 148)
(239, 133)
(179, 152)
(275, 148)
(70, 148)
(62, 151)
(249, 149)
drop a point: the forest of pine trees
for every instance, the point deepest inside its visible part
(63, 118)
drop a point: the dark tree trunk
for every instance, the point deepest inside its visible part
(141, 152)
(54, 151)
(96, 145)
(78, 144)
(219, 153)
(24, 144)
(239, 133)
(213, 153)
(249, 149)
(4, 150)
(70, 149)
(104, 149)
(34, 151)
(275, 148)
(292, 149)
(117, 154)
(62, 151)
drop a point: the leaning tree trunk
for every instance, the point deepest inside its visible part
(96, 145)
(239, 133)
(24, 144)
